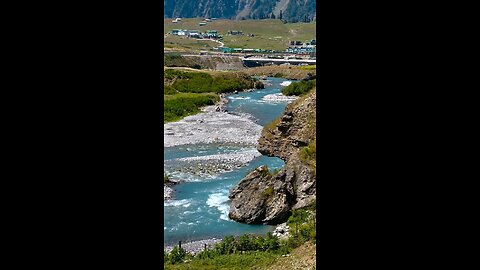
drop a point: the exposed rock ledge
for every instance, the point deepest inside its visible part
(263, 197)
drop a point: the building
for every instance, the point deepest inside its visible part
(193, 34)
(235, 32)
(226, 49)
(302, 50)
(211, 34)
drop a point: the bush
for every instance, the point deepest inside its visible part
(278, 75)
(177, 255)
(299, 88)
(308, 154)
(302, 228)
(268, 192)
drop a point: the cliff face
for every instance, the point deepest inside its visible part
(288, 10)
(267, 197)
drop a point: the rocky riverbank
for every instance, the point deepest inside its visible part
(167, 193)
(211, 127)
(211, 165)
(195, 246)
(267, 197)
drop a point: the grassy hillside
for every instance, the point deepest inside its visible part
(269, 34)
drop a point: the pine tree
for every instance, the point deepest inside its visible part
(281, 15)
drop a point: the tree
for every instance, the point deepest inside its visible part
(281, 15)
(272, 16)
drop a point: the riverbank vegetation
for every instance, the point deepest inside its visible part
(250, 251)
(299, 88)
(187, 91)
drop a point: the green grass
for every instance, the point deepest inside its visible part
(299, 88)
(309, 67)
(268, 34)
(175, 107)
(189, 44)
(308, 154)
(228, 262)
(187, 91)
(268, 192)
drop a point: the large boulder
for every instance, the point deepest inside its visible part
(264, 197)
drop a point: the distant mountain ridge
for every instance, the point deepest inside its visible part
(287, 10)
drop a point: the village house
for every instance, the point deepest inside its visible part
(194, 34)
(211, 34)
(235, 32)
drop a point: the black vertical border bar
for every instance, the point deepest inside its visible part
(161, 24)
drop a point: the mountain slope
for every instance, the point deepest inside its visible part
(287, 10)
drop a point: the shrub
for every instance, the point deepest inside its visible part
(268, 192)
(177, 255)
(299, 88)
(278, 75)
(308, 154)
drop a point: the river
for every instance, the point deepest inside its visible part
(210, 153)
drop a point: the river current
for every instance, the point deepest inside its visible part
(208, 170)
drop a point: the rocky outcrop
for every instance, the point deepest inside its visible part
(267, 197)
(282, 231)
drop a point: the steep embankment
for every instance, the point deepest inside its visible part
(204, 62)
(267, 197)
(287, 72)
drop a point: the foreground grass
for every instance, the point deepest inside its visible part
(254, 251)
(250, 260)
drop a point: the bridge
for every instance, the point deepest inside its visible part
(260, 61)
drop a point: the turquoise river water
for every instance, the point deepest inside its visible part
(199, 209)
